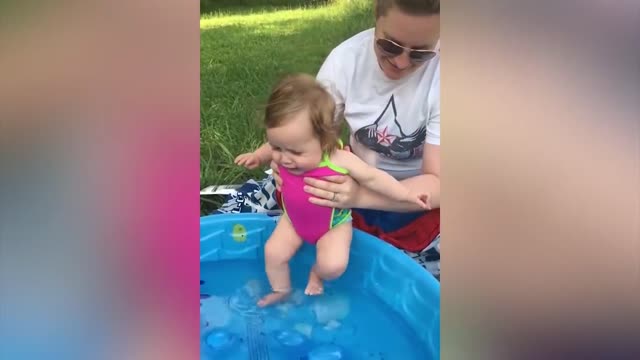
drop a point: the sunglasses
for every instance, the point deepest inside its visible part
(392, 49)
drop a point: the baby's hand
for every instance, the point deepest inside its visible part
(248, 160)
(421, 199)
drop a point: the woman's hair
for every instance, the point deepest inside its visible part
(301, 92)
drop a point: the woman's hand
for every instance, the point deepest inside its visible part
(337, 191)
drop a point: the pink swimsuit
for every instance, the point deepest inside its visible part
(309, 220)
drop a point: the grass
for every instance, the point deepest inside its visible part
(244, 50)
(212, 6)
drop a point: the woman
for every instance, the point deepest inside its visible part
(386, 82)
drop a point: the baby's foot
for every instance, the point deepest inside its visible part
(273, 298)
(314, 286)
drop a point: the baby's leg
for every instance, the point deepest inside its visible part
(279, 249)
(332, 257)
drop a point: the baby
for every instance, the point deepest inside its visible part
(303, 140)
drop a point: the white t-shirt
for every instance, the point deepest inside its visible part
(389, 120)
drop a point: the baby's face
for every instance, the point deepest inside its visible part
(294, 145)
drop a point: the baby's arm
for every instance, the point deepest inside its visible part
(264, 153)
(378, 180)
(260, 157)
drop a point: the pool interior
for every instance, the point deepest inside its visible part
(347, 322)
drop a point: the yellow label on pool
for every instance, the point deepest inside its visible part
(239, 233)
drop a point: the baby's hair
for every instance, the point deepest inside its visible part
(301, 92)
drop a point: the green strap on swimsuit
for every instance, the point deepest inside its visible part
(327, 162)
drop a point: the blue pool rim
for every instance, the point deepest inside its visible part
(400, 282)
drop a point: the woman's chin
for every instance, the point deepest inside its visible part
(392, 72)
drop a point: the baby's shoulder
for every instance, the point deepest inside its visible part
(343, 158)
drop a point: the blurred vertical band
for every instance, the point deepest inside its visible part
(541, 179)
(99, 172)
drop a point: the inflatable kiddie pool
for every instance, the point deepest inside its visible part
(385, 306)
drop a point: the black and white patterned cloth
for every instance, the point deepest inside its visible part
(429, 258)
(254, 196)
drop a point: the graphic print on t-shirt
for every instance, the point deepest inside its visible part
(385, 136)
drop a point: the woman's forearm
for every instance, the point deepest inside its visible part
(427, 183)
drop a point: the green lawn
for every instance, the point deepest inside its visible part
(244, 50)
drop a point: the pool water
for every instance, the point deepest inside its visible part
(347, 322)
